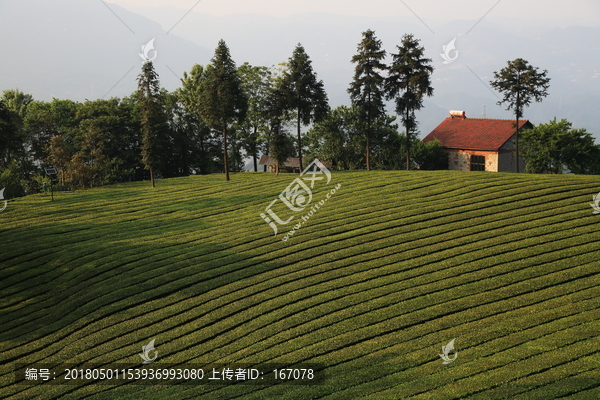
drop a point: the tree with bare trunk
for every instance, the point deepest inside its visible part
(366, 90)
(222, 98)
(408, 82)
(152, 117)
(520, 83)
(303, 92)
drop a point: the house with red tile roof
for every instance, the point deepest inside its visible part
(479, 144)
(292, 164)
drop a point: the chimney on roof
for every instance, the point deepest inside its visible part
(459, 114)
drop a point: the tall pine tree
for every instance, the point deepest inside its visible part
(152, 117)
(304, 93)
(222, 99)
(408, 82)
(366, 90)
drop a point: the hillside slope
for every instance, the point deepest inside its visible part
(390, 269)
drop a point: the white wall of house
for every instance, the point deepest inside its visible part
(460, 160)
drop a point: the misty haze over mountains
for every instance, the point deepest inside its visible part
(81, 50)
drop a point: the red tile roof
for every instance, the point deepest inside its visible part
(475, 133)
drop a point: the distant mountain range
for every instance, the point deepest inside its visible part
(89, 49)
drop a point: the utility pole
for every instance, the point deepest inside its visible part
(50, 172)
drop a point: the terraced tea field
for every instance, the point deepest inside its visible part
(390, 269)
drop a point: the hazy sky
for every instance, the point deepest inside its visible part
(587, 11)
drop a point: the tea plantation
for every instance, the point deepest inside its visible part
(388, 270)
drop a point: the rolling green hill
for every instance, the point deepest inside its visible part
(390, 269)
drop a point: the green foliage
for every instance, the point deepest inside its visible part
(64, 113)
(554, 148)
(36, 183)
(11, 140)
(254, 130)
(118, 123)
(408, 82)
(281, 144)
(52, 133)
(89, 166)
(430, 156)
(15, 144)
(302, 92)
(153, 120)
(182, 147)
(189, 94)
(337, 138)
(205, 147)
(366, 89)
(11, 180)
(386, 143)
(61, 151)
(17, 101)
(520, 83)
(340, 138)
(39, 126)
(222, 99)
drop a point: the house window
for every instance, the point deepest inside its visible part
(477, 163)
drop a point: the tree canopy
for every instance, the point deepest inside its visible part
(152, 119)
(222, 115)
(555, 148)
(303, 92)
(366, 89)
(408, 82)
(520, 83)
(256, 84)
(222, 99)
(339, 137)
